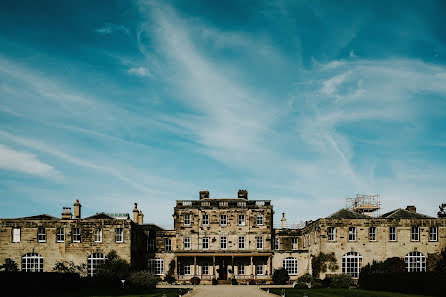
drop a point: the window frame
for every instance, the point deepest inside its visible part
(241, 243)
(205, 219)
(241, 268)
(60, 236)
(295, 243)
(119, 236)
(393, 236)
(167, 244)
(41, 234)
(156, 266)
(205, 268)
(331, 234)
(276, 243)
(16, 235)
(204, 241)
(151, 244)
(372, 233)
(415, 262)
(93, 260)
(32, 262)
(431, 233)
(352, 233)
(97, 235)
(187, 269)
(187, 243)
(352, 264)
(76, 237)
(260, 220)
(259, 242)
(415, 236)
(291, 265)
(187, 219)
(223, 243)
(241, 220)
(223, 220)
(259, 269)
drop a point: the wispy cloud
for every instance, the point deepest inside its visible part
(109, 28)
(140, 71)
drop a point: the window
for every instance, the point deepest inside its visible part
(119, 235)
(433, 234)
(241, 220)
(150, 244)
(205, 220)
(32, 262)
(60, 235)
(290, 265)
(187, 220)
(241, 204)
(259, 220)
(259, 269)
(352, 233)
(187, 203)
(223, 243)
(156, 266)
(351, 264)
(295, 243)
(392, 234)
(93, 261)
(415, 233)
(415, 262)
(16, 235)
(205, 203)
(76, 235)
(304, 241)
(259, 241)
(241, 243)
(241, 268)
(309, 239)
(276, 243)
(260, 203)
(98, 235)
(205, 269)
(168, 245)
(315, 237)
(223, 204)
(41, 234)
(187, 269)
(205, 243)
(331, 233)
(372, 233)
(223, 220)
(187, 243)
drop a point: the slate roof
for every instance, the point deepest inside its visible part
(347, 214)
(40, 217)
(404, 214)
(99, 216)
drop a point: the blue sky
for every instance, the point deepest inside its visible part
(305, 103)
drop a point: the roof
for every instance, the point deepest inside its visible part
(40, 217)
(100, 216)
(404, 214)
(347, 214)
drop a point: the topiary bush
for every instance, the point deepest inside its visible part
(195, 280)
(306, 278)
(300, 285)
(280, 276)
(234, 281)
(142, 280)
(214, 281)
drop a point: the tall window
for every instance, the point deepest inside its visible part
(60, 234)
(295, 243)
(16, 235)
(351, 264)
(315, 237)
(241, 268)
(41, 234)
(352, 233)
(150, 244)
(187, 269)
(433, 233)
(276, 243)
(205, 219)
(93, 261)
(259, 269)
(98, 235)
(119, 235)
(259, 219)
(241, 204)
(205, 243)
(223, 220)
(223, 243)
(223, 204)
(205, 269)
(415, 262)
(331, 233)
(187, 219)
(241, 220)
(32, 262)
(187, 243)
(76, 235)
(241, 243)
(415, 234)
(259, 240)
(372, 233)
(156, 266)
(392, 234)
(168, 245)
(290, 265)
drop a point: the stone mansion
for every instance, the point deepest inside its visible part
(222, 238)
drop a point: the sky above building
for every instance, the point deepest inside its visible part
(304, 103)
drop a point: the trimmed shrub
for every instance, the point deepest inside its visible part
(143, 280)
(252, 281)
(306, 278)
(170, 279)
(280, 276)
(339, 281)
(300, 285)
(214, 281)
(9, 266)
(234, 281)
(195, 280)
(316, 284)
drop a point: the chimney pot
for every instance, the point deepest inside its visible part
(204, 194)
(411, 208)
(135, 214)
(242, 194)
(283, 221)
(77, 210)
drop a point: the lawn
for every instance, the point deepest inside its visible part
(338, 293)
(154, 293)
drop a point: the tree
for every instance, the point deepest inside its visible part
(280, 276)
(113, 267)
(170, 278)
(323, 262)
(67, 267)
(9, 265)
(143, 280)
(442, 212)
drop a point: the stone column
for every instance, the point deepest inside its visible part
(213, 266)
(195, 266)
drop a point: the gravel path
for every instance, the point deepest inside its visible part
(228, 291)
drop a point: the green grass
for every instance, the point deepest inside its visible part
(338, 293)
(155, 293)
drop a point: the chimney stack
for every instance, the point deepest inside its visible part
(135, 213)
(242, 194)
(204, 194)
(66, 213)
(283, 221)
(140, 218)
(77, 210)
(411, 208)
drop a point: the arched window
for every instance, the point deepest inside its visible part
(156, 266)
(32, 262)
(415, 261)
(351, 264)
(290, 265)
(93, 261)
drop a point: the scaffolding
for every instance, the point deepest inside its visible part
(369, 205)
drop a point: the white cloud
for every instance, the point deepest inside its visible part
(109, 28)
(24, 162)
(140, 71)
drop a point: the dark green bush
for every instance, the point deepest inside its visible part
(170, 279)
(214, 281)
(300, 285)
(143, 280)
(280, 276)
(9, 266)
(195, 280)
(234, 281)
(339, 281)
(252, 281)
(316, 284)
(113, 268)
(306, 278)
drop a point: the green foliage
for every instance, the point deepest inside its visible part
(306, 279)
(339, 281)
(195, 280)
(442, 212)
(234, 282)
(280, 276)
(323, 262)
(394, 264)
(113, 267)
(143, 280)
(214, 281)
(9, 265)
(300, 285)
(170, 278)
(440, 266)
(67, 267)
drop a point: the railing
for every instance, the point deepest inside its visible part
(252, 276)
